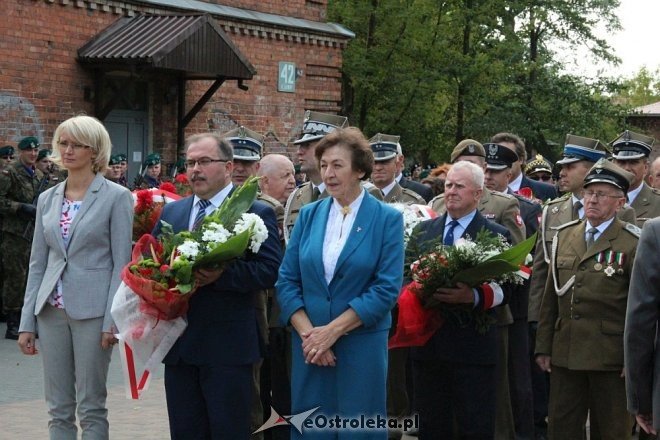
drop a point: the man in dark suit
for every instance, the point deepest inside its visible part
(425, 191)
(519, 181)
(454, 372)
(208, 371)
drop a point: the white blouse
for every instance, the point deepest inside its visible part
(337, 230)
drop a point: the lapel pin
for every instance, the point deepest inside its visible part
(359, 229)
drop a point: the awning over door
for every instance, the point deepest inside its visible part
(193, 45)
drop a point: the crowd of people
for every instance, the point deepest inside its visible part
(302, 325)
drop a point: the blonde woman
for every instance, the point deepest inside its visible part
(82, 240)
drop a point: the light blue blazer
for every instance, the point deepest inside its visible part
(90, 267)
(368, 274)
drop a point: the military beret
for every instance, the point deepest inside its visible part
(43, 153)
(538, 165)
(606, 172)
(122, 157)
(152, 159)
(499, 157)
(7, 150)
(630, 145)
(316, 125)
(384, 146)
(247, 144)
(467, 147)
(114, 160)
(577, 148)
(29, 142)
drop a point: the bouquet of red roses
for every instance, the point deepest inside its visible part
(484, 259)
(148, 205)
(149, 306)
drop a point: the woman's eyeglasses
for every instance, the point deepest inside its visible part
(74, 145)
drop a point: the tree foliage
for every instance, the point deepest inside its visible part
(438, 71)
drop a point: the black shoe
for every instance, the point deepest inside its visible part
(13, 321)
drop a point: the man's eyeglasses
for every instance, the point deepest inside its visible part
(599, 195)
(74, 145)
(203, 162)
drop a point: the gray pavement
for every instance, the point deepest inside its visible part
(23, 412)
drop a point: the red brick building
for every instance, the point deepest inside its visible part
(156, 71)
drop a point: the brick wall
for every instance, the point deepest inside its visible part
(41, 84)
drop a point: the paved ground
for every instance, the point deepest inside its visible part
(23, 413)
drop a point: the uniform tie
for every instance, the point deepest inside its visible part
(316, 192)
(576, 210)
(201, 213)
(449, 236)
(591, 233)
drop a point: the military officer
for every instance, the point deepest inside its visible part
(631, 152)
(315, 126)
(579, 155)
(384, 147)
(518, 421)
(20, 185)
(540, 169)
(494, 206)
(580, 333)
(247, 146)
(6, 156)
(113, 172)
(152, 167)
(123, 162)
(51, 172)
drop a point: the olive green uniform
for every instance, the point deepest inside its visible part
(581, 327)
(17, 187)
(646, 204)
(555, 213)
(398, 194)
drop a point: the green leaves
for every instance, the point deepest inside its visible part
(236, 205)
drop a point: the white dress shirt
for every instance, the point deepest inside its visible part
(216, 201)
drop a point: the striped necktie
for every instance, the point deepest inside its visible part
(449, 236)
(201, 213)
(591, 235)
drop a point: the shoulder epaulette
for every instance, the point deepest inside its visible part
(655, 191)
(501, 194)
(558, 199)
(268, 199)
(413, 194)
(438, 197)
(634, 230)
(565, 225)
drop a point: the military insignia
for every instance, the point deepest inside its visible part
(519, 220)
(555, 209)
(598, 267)
(489, 215)
(471, 148)
(609, 271)
(619, 271)
(492, 150)
(599, 170)
(634, 230)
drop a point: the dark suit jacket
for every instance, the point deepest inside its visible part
(450, 342)
(222, 326)
(419, 188)
(541, 190)
(531, 214)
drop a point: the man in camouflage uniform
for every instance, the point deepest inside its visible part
(631, 152)
(580, 154)
(580, 331)
(247, 145)
(384, 147)
(6, 159)
(113, 173)
(20, 184)
(315, 126)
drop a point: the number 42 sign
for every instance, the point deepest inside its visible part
(286, 80)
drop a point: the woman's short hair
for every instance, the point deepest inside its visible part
(352, 139)
(88, 131)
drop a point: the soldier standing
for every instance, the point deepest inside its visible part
(152, 168)
(6, 158)
(384, 147)
(20, 184)
(113, 173)
(631, 152)
(580, 333)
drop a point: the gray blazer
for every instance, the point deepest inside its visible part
(99, 247)
(641, 353)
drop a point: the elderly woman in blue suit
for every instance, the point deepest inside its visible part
(340, 278)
